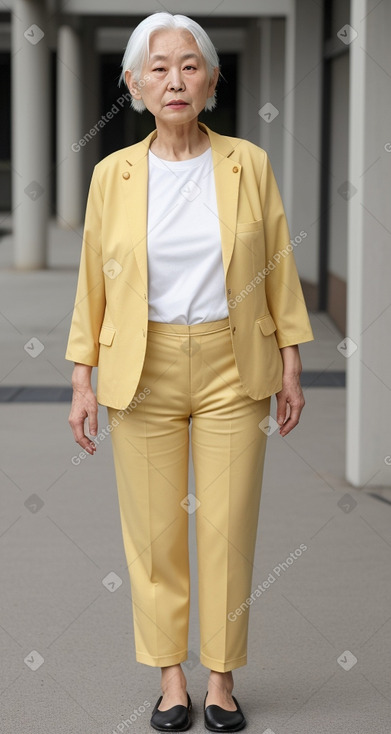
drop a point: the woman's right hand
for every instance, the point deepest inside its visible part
(84, 405)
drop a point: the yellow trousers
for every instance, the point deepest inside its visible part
(189, 376)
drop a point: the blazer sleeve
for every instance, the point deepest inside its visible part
(90, 300)
(283, 288)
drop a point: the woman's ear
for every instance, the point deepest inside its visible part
(213, 81)
(132, 85)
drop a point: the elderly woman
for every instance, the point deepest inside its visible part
(189, 303)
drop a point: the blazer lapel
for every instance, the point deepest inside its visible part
(227, 174)
(135, 190)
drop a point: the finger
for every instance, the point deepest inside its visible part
(93, 422)
(293, 420)
(87, 445)
(83, 440)
(282, 410)
(77, 426)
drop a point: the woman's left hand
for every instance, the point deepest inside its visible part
(290, 399)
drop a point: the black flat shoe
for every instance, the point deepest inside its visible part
(219, 719)
(177, 718)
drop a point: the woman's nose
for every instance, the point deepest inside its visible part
(176, 83)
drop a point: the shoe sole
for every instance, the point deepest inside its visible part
(173, 730)
(226, 731)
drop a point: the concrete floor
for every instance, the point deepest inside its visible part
(319, 636)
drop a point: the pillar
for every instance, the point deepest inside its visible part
(91, 101)
(367, 345)
(302, 128)
(30, 133)
(70, 135)
(272, 89)
(248, 86)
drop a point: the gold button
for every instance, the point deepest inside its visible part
(235, 169)
(126, 175)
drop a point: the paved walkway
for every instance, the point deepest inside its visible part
(320, 630)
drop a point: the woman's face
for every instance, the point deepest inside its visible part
(175, 70)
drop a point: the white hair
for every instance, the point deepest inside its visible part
(137, 49)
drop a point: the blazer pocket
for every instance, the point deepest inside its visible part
(249, 226)
(266, 324)
(106, 335)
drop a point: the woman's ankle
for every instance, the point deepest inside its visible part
(221, 680)
(173, 673)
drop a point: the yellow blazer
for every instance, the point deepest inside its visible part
(264, 296)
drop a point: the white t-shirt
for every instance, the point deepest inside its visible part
(186, 282)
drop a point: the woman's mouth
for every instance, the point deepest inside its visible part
(177, 104)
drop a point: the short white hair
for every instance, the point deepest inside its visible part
(137, 49)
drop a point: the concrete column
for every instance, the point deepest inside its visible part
(266, 92)
(368, 345)
(91, 102)
(248, 86)
(69, 128)
(302, 139)
(272, 88)
(30, 133)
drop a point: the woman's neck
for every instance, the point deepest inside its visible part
(179, 142)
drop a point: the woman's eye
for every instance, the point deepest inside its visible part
(160, 68)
